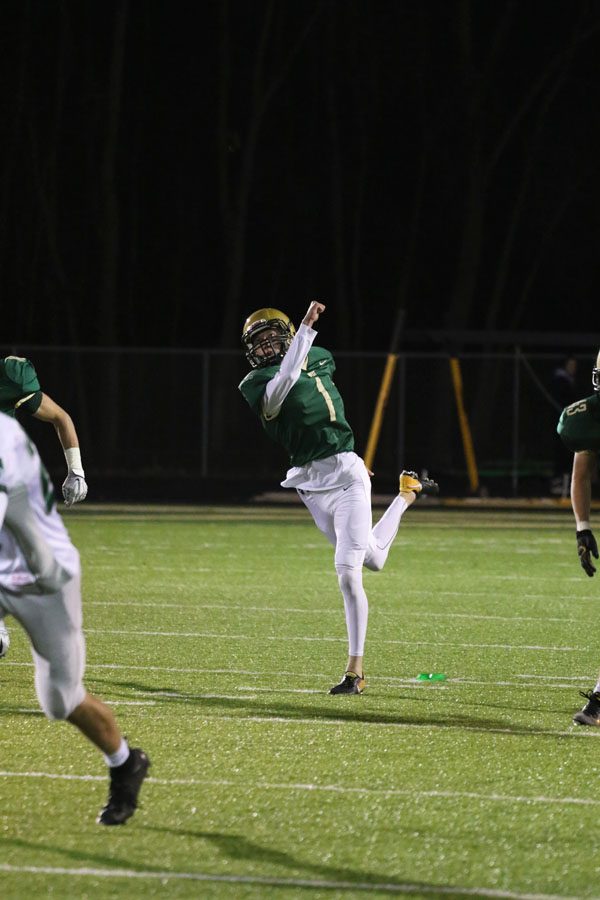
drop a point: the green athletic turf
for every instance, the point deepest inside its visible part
(215, 636)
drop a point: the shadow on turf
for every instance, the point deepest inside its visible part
(233, 846)
(340, 712)
(82, 855)
(237, 847)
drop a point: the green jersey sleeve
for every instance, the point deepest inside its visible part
(579, 425)
(19, 386)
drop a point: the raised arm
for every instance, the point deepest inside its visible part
(313, 312)
(284, 380)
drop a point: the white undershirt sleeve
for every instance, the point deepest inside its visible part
(284, 380)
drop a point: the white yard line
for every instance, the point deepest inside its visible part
(325, 788)
(315, 884)
(374, 640)
(482, 576)
(574, 731)
(551, 681)
(318, 720)
(413, 614)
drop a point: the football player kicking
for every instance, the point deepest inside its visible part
(20, 390)
(291, 390)
(579, 428)
(40, 587)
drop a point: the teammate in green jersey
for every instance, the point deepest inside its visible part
(20, 390)
(291, 390)
(579, 428)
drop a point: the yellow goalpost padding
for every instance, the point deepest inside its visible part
(465, 429)
(382, 399)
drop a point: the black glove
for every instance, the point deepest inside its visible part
(586, 548)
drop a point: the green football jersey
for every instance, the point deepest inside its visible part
(311, 423)
(579, 424)
(19, 386)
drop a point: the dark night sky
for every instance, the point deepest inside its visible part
(170, 166)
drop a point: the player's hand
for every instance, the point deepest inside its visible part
(314, 311)
(74, 489)
(586, 548)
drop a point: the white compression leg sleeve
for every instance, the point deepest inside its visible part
(356, 607)
(383, 534)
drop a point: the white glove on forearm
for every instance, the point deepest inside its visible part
(74, 487)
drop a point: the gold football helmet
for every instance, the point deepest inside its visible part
(268, 349)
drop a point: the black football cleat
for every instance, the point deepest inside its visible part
(410, 481)
(351, 683)
(590, 714)
(125, 784)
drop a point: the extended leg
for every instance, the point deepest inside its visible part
(53, 624)
(96, 721)
(383, 534)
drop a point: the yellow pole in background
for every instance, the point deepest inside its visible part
(382, 399)
(384, 390)
(465, 429)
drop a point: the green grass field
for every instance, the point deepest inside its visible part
(215, 635)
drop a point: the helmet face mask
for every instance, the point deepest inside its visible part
(266, 337)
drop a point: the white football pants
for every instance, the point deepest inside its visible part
(344, 516)
(53, 623)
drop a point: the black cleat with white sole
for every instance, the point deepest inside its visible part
(124, 789)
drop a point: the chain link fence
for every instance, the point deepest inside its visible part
(171, 425)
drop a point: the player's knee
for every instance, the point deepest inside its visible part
(55, 705)
(350, 581)
(58, 702)
(374, 562)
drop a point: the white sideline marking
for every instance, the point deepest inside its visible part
(123, 567)
(548, 686)
(365, 886)
(175, 695)
(411, 685)
(172, 694)
(267, 690)
(392, 574)
(326, 788)
(382, 679)
(574, 731)
(563, 677)
(131, 702)
(331, 610)
(54, 776)
(374, 640)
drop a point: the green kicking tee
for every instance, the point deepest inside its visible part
(579, 425)
(19, 386)
(311, 423)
